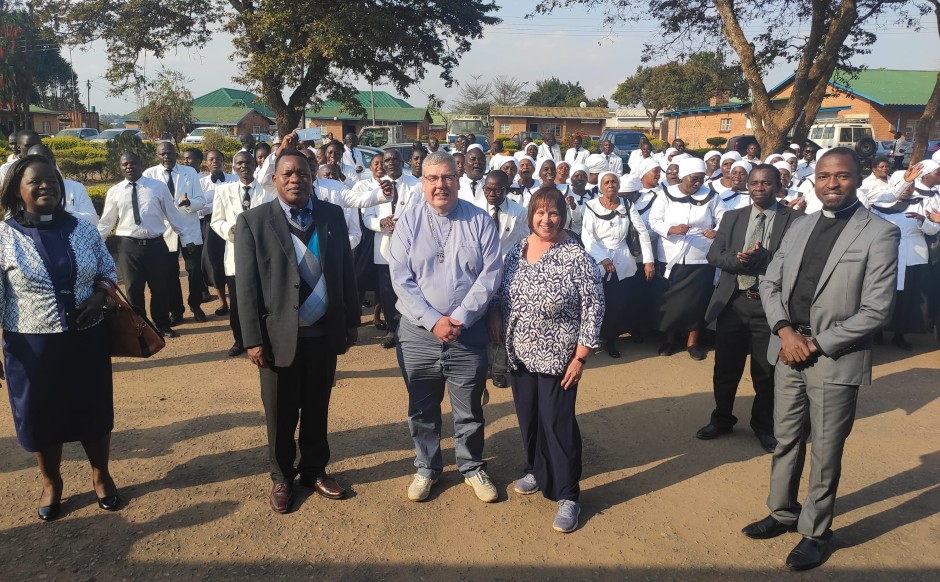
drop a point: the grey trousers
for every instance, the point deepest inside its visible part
(427, 365)
(803, 405)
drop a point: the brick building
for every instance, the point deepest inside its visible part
(381, 109)
(560, 121)
(888, 98)
(233, 109)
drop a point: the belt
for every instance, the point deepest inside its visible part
(751, 293)
(142, 241)
(803, 330)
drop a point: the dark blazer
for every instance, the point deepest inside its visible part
(729, 240)
(268, 281)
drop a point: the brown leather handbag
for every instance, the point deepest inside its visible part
(132, 334)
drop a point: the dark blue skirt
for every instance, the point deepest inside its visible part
(59, 385)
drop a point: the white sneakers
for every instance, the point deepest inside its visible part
(483, 487)
(420, 487)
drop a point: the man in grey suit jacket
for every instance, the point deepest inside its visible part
(298, 308)
(829, 288)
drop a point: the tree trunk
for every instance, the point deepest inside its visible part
(930, 110)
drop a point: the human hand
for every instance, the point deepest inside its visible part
(793, 349)
(933, 215)
(748, 257)
(88, 312)
(359, 169)
(289, 142)
(572, 373)
(447, 329)
(388, 188)
(649, 270)
(258, 357)
(608, 266)
(709, 233)
(679, 229)
(388, 223)
(185, 201)
(915, 215)
(913, 172)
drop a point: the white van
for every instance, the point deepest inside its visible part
(840, 132)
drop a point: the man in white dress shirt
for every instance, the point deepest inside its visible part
(643, 152)
(352, 163)
(577, 154)
(807, 165)
(231, 199)
(327, 187)
(550, 149)
(76, 200)
(614, 162)
(189, 199)
(474, 167)
(402, 191)
(137, 209)
(511, 219)
(11, 141)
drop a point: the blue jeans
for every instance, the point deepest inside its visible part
(427, 365)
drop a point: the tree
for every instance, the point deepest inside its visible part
(838, 31)
(667, 87)
(169, 108)
(509, 91)
(475, 98)
(555, 93)
(930, 110)
(293, 54)
(727, 79)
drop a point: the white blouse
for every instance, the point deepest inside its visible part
(913, 247)
(607, 239)
(673, 208)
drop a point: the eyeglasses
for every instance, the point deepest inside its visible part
(672, 172)
(449, 178)
(496, 190)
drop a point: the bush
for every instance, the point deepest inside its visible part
(716, 142)
(129, 143)
(59, 144)
(656, 143)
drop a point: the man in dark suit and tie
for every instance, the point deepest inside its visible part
(745, 242)
(828, 289)
(299, 309)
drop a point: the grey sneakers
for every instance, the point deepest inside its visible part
(566, 520)
(526, 485)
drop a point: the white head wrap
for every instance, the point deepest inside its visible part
(597, 163)
(711, 153)
(820, 152)
(527, 158)
(575, 168)
(630, 183)
(646, 165)
(691, 165)
(600, 177)
(679, 157)
(783, 166)
(563, 162)
(746, 166)
(500, 159)
(474, 146)
(795, 147)
(928, 166)
(789, 156)
(669, 152)
(769, 159)
(541, 162)
(936, 156)
(732, 155)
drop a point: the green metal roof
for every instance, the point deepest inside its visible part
(883, 86)
(38, 109)
(399, 114)
(233, 98)
(382, 99)
(212, 115)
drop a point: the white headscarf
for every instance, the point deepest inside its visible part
(795, 147)
(746, 166)
(500, 160)
(732, 155)
(768, 159)
(789, 156)
(575, 168)
(783, 166)
(600, 177)
(691, 165)
(936, 157)
(541, 162)
(820, 152)
(646, 165)
(526, 158)
(597, 163)
(630, 183)
(711, 153)
(474, 146)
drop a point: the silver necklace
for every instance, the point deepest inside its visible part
(437, 231)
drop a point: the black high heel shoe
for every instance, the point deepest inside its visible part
(108, 502)
(52, 511)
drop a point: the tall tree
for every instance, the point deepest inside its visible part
(667, 87)
(930, 110)
(509, 90)
(838, 31)
(475, 97)
(555, 93)
(169, 108)
(309, 49)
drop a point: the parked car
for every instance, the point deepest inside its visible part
(739, 144)
(79, 132)
(109, 135)
(932, 146)
(623, 140)
(198, 134)
(850, 133)
(263, 138)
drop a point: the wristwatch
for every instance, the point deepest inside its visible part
(580, 359)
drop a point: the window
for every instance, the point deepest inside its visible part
(845, 135)
(828, 132)
(912, 127)
(815, 133)
(256, 129)
(725, 125)
(551, 128)
(533, 127)
(46, 127)
(860, 133)
(504, 127)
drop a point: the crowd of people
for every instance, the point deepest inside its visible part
(515, 269)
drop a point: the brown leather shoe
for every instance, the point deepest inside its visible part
(281, 497)
(329, 488)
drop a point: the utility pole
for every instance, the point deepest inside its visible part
(88, 100)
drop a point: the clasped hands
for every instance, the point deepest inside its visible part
(683, 229)
(751, 256)
(794, 348)
(447, 329)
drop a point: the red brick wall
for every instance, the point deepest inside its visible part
(695, 129)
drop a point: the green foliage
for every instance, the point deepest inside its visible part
(716, 142)
(229, 146)
(555, 93)
(666, 87)
(79, 159)
(61, 144)
(656, 143)
(97, 193)
(169, 108)
(128, 143)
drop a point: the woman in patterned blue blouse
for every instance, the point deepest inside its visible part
(55, 346)
(550, 310)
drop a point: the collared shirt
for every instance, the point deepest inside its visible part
(804, 169)
(553, 152)
(769, 216)
(78, 203)
(471, 190)
(729, 200)
(577, 155)
(462, 284)
(185, 183)
(287, 209)
(691, 248)
(513, 222)
(227, 207)
(522, 194)
(607, 239)
(154, 203)
(350, 160)
(614, 162)
(912, 249)
(208, 189)
(409, 194)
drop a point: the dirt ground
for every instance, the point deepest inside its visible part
(658, 504)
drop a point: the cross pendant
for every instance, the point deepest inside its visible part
(440, 256)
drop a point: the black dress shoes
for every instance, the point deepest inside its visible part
(168, 332)
(236, 350)
(710, 431)
(109, 503)
(199, 315)
(499, 380)
(612, 351)
(807, 554)
(53, 510)
(899, 342)
(766, 528)
(222, 311)
(281, 497)
(390, 341)
(667, 349)
(696, 352)
(767, 442)
(175, 319)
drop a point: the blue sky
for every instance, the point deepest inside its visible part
(571, 45)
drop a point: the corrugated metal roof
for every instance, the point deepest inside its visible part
(398, 114)
(213, 115)
(550, 112)
(382, 99)
(883, 86)
(233, 98)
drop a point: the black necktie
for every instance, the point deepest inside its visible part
(246, 199)
(394, 197)
(473, 188)
(496, 215)
(135, 203)
(169, 183)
